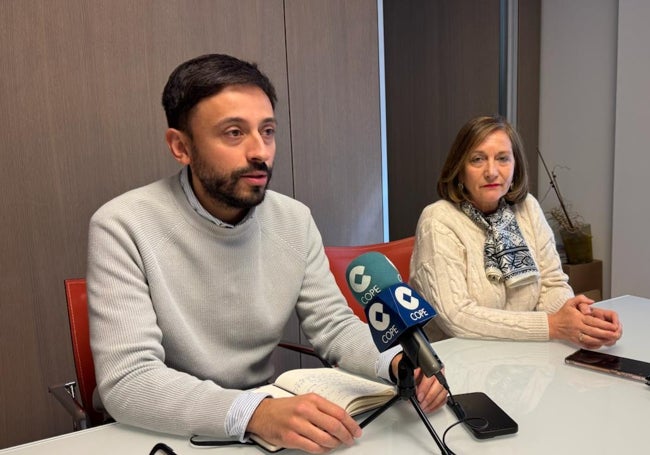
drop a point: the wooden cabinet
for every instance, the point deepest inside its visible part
(586, 278)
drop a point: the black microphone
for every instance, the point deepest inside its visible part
(395, 311)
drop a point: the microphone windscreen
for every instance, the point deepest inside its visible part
(369, 274)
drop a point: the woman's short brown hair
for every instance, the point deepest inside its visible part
(468, 138)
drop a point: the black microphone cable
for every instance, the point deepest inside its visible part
(463, 418)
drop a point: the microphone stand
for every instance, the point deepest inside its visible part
(406, 391)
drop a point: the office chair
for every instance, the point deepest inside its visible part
(80, 407)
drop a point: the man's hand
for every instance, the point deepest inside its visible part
(306, 422)
(430, 393)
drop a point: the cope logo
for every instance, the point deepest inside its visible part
(361, 284)
(377, 318)
(405, 297)
(357, 280)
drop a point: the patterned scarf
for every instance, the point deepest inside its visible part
(506, 255)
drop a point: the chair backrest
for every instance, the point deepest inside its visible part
(398, 251)
(77, 299)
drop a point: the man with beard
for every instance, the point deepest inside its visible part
(192, 279)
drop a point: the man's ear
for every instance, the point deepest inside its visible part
(179, 145)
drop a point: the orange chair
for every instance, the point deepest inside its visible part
(398, 251)
(82, 411)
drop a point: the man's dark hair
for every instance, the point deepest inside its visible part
(203, 77)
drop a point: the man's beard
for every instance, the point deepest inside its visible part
(223, 188)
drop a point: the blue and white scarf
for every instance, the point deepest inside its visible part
(506, 254)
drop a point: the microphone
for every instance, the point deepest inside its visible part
(395, 311)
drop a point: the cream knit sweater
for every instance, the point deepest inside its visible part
(447, 269)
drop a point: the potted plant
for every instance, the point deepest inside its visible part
(575, 233)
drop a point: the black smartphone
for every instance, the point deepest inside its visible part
(608, 363)
(483, 417)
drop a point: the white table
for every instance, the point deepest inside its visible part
(560, 409)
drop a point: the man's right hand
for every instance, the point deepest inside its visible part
(306, 422)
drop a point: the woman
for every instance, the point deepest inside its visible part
(485, 255)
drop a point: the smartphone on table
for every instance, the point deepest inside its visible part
(613, 364)
(483, 417)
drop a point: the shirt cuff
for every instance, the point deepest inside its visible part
(383, 363)
(240, 413)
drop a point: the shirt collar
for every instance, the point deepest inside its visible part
(196, 205)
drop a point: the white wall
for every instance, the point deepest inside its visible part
(631, 220)
(577, 112)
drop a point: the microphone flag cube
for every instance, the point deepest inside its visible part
(394, 311)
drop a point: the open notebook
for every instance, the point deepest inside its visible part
(353, 393)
